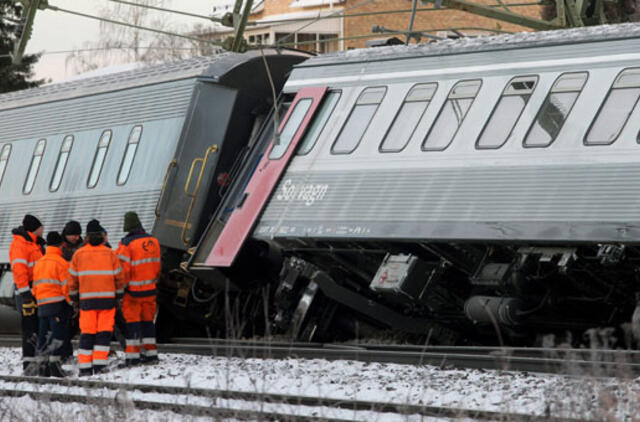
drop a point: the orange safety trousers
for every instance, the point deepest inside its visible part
(96, 329)
(139, 313)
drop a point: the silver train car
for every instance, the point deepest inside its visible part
(466, 191)
(161, 140)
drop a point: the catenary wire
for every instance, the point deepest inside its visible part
(164, 9)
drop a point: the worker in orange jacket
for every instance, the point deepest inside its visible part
(139, 254)
(24, 251)
(96, 279)
(51, 292)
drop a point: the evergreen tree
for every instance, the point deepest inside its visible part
(13, 77)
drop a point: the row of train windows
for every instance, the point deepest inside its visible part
(63, 157)
(605, 129)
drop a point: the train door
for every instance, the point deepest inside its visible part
(265, 177)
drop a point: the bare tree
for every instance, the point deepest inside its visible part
(119, 44)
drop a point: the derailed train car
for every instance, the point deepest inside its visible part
(160, 140)
(469, 190)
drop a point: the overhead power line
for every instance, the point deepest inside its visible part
(164, 9)
(130, 25)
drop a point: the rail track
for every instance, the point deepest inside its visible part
(592, 362)
(229, 403)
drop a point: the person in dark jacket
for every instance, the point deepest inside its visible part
(50, 290)
(72, 234)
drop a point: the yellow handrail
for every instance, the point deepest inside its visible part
(211, 150)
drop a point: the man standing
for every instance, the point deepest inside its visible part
(96, 280)
(139, 255)
(72, 234)
(51, 292)
(23, 254)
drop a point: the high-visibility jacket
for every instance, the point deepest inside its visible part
(23, 254)
(50, 276)
(95, 277)
(139, 254)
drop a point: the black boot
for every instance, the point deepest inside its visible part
(43, 370)
(85, 372)
(55, 370)
(149, 360)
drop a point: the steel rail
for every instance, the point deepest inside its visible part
(291, 400)
(181, 409)
(592, 362)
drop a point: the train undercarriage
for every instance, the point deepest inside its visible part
(438, 293)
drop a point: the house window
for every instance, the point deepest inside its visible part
(451, 115)
(61, 164)
(555, 109)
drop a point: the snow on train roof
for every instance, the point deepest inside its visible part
(208, 67)
(479, 44)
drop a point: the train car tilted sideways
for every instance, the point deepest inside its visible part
(161, 140)
(477, 190)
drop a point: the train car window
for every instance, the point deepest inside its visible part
(506, 113)
(4, 159)
(98, 158)
(34, 167)
(290, 128)
(319, 122)
(555, 109)
(359, 120)
(451, 115)
(408, 117)
(616, 109)
(61, 164)
(129, 154)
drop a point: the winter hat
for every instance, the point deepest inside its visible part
(131, 222)
(30, 223)
(72, 227)
(54, 239)
(94, 227)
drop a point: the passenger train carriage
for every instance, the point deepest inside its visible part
(160, 140)
(457, 189)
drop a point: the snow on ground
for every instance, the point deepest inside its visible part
(583, 397)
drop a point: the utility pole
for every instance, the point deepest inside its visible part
(237, 43)
(30, 7)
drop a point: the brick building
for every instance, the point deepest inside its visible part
(331, 25)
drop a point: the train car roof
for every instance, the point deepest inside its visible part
(478, 44)
(213, 68)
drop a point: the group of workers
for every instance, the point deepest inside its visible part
(65, 276)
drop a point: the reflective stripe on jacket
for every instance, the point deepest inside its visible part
(23, 254)
(50, 276)
(139, 254)
(95, 277)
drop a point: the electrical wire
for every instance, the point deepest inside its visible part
(163, 9)
(130, 25)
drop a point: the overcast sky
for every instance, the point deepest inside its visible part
(58, 31)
